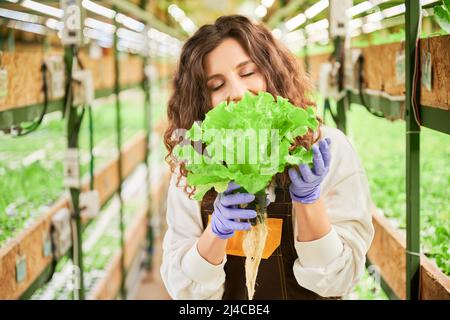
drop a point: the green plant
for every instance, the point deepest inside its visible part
(247, 142)
(442, 15)
(368, 288)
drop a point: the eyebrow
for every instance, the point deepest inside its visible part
(243, 63)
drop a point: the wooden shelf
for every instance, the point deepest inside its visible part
(25, 80)
(380, 70)
(388, 252)
(135, 237)
(25, 98)
(108, 287)
(30, 242)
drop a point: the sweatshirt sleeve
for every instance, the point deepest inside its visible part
(185, 273)
(333, 264)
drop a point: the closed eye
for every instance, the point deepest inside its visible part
(244, 75)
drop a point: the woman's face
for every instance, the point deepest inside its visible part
(230, 72)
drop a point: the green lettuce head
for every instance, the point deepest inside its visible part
(247, 142)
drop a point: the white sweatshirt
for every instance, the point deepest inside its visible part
(329, 266)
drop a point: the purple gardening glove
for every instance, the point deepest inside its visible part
(226, 213)
(305, 188)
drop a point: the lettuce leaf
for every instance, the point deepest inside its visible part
(247, 142)
(442, 15)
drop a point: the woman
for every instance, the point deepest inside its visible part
(325, 212)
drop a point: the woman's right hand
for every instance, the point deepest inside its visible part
(227, 212)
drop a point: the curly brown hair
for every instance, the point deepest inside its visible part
(190, 99)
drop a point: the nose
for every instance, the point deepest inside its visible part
(237, 90)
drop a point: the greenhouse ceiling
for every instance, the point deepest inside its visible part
(206, 11)
(294, 21)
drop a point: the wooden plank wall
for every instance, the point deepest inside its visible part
(380, 70)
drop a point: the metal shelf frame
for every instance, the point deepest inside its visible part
(15, 116)
(401, 108)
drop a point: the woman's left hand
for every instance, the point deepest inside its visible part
(305, 188)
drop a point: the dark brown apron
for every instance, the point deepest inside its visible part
(275, 280)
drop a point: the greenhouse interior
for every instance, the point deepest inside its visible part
(91, 93)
